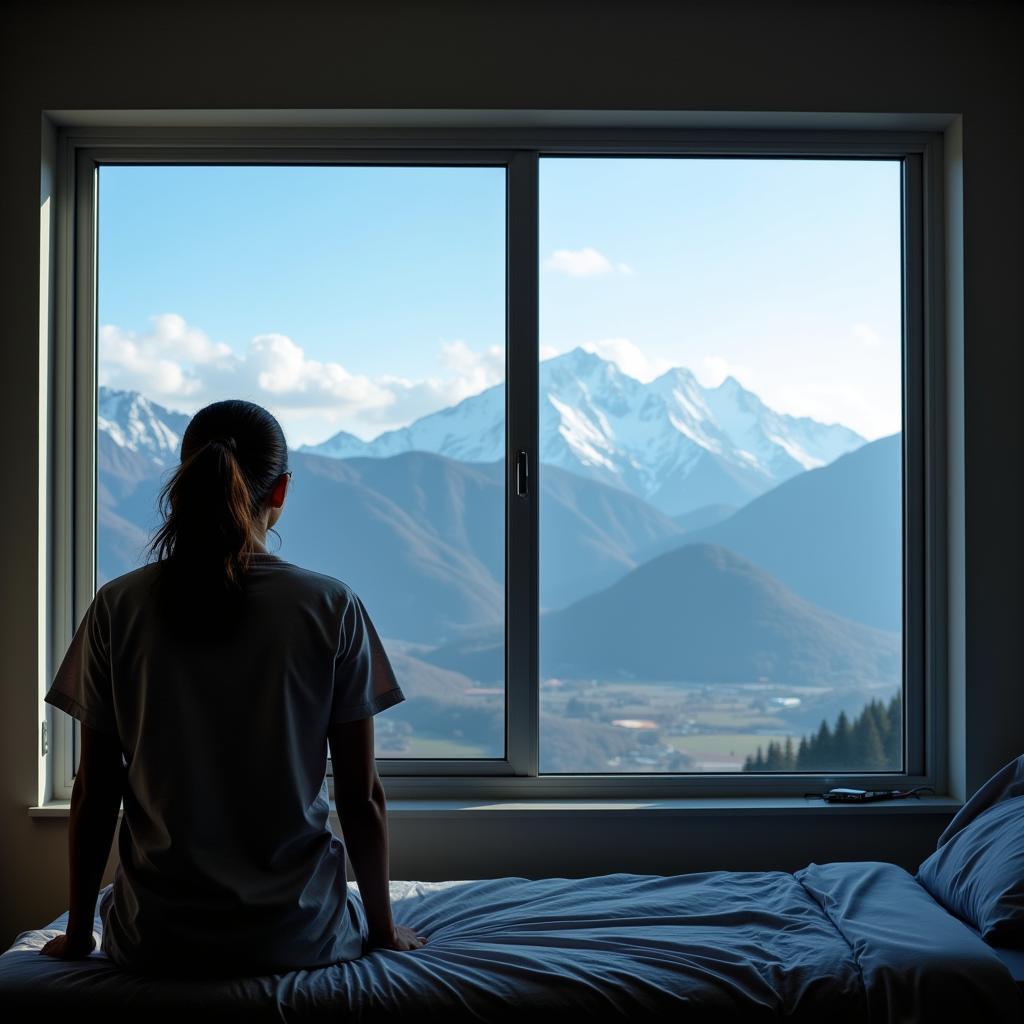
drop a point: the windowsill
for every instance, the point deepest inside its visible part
(744, 806)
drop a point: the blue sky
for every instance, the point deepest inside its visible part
(360, 298)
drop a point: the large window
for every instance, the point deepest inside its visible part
(365, 308)
(721, 433)
(623, 445)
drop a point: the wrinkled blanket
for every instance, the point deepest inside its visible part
(843, 942)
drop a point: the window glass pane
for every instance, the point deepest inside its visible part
(365, 308)
(720, 465)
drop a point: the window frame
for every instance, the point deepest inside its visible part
(71, 577)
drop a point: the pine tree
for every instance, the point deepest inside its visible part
(881, 717)
(802, 754)
(892, 742)
(872, 753)
(788, 760)
(823, 747)
(858, 740)
(872, 742)
(842, 743)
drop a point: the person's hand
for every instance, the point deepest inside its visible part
(401, 938)
(70, 947)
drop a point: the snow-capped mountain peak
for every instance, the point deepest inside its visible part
(670, 441)
(649, 438)
(134, 422)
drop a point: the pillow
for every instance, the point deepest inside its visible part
(1006, 783)
(977, 872)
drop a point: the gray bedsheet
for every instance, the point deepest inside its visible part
(837, 942)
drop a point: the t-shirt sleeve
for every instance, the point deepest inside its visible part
(364, 681)
(82, 686)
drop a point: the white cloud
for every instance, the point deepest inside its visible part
(478, 370)
(866, 335)
(578, 262)
(152, 362)
(274, 365)
(713, 370)
(585, 262)
(470, 373)
(179, 366)
(629, 358)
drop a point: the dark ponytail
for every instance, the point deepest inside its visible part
(232, 454)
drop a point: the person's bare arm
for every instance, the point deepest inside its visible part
(95, 802)
(362, 812)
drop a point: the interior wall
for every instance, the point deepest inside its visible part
(954, 57)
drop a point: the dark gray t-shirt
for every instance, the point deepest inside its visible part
(227, 862)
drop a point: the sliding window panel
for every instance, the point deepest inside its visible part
(365, 307)
(721, 389)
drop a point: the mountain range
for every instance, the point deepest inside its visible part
(419, 535)
(422, 535)
(672, 442)
(664, 621)
(833, 534)
(790, 576)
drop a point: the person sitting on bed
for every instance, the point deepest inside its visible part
(209, 684)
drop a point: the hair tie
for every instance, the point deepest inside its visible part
(228, 442)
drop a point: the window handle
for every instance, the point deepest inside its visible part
(522, 475)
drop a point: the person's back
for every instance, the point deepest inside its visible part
(223, 703)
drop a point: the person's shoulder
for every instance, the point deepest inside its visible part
(127, 582)
(123, 595)
(319, 581)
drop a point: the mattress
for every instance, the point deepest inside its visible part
(843, 942)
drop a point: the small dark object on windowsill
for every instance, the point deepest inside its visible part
(863, 796)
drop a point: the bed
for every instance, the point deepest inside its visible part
(841, 942)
